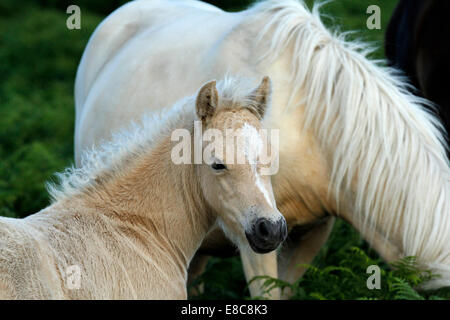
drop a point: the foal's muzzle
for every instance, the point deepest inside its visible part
(266, 235)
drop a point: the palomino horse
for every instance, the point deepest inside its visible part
(130, 219)
(354, 143)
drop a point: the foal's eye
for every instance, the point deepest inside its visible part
(218, 166)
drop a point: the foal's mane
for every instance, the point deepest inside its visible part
(382, 142)
(109, 159)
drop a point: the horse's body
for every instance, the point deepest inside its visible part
(353, 142)
(130, 219)
(117, 257)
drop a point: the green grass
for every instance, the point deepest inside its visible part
(38, 61)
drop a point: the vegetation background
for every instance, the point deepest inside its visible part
(38, 61)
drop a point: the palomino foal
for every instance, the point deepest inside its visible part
(128, 222)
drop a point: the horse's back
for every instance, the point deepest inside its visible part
(16, 258)
(120, 27)
(135, 56)
(23, 264)
(8, 243)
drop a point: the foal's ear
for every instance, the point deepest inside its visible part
(207, 101)
(260, 97)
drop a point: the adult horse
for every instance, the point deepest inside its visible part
(354, 143)
(127, 223)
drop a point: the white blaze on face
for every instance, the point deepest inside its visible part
(264, 191)
(253, 147)
(253, 143)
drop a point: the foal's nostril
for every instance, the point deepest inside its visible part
(262, 228)
(266, 235)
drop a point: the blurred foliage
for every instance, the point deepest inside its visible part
(348, 281)
(38, 61)
(339, 272)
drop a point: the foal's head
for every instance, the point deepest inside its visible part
(235, 183)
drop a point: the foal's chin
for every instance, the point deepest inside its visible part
(262, 250)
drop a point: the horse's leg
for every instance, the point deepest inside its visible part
(260, 265)
(196, 268)
(302, 250)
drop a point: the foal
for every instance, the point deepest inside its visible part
(128, 222)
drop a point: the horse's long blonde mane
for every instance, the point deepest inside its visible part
(109, 158)
(386, 150)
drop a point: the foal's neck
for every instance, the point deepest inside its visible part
(160, 197)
